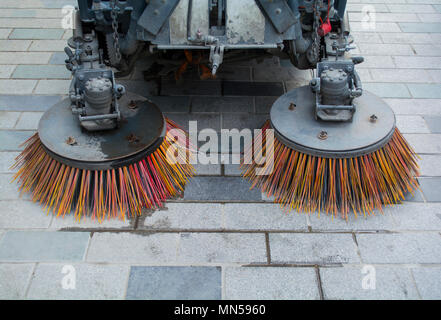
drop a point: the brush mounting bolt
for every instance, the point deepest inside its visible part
(323, 135)
(373, 118)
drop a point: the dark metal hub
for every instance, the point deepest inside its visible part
(298, 129)
(141, 130)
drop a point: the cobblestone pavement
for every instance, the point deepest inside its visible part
(222, 240)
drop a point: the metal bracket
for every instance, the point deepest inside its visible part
(279, 12)
(155, 14)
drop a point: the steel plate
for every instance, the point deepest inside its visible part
(140, 129)
(297, 127)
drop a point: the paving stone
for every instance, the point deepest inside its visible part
(232, 170)
(385, 49)
(14, 45)
(6, 71)
(415, 106)
(386, 17)
(436, 75)
(438, 7)
(417, 196)
(308, 248)
(429, 165)
(69, 222)
(245, 88)
(143, 88)
(199, 88)
(281, 74)
(12, 139)
(8, 189)
(31, 13)
(417, 216)
(411, 38)
(358, 7)
(92, 282)
(428, 282)
(400, 248)
(29, 121)
(417, 62)
(243, 121)
(262, 216)
(220, 189)
(19, 214)
(172, 104)
(427, 49)
(369, 222)
(27, 102)
(58, 58)
(203, 121)
(24, 57)
(424, 143)
(264, 104)
(123, 247)
(227, 72)
(425, 91)
(10, 86)
(37, 34)
(399, 75)
(207, 169)
(379, 27)
(183, 216)
(222, 104)
(274, 283)
(412, 124)
(388, 90)
(222, 248)
(347, 283)
(6, 161)
(412, 8)
(174, 283)
(41, 72)
(366, 37)
(51, 87)
(434, 123)
(47, 45)
(14, 279)
(376, 62)
(30, 23)
(43, 246)
(431, 188)
(4, 33)
(8, 119)
(420, 27)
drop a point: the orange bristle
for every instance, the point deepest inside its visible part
(309, 183)
(105, 193)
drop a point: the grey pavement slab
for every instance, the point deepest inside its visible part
(222, 104)
(248, 88)
(27, 33)
(8, 119)
(222, 248)
(367, 283)
(124, 247)
(172, 104)
(434, 123)
(24, 58)
(417, 62)
(400, 248)
(232, 170)
(43, 246)
(264, 104)
(6, 71)
(14, 279)
(313, 248)
(70, 223)
(202, 120)
(243, 121)
(388, 90)
(14, 86)
(186, 216)
(20, 214)
(6, 161)
(28, 121)
(416, 216)
(428, 282)
(354, 223)
(174, 283)
(92, 282)
(27, 102)
(195, 87)
(416, 196)
(9, 189)
(425, 91)
(425, 107)
(262, 216)
(271, 283)
(415, 8)
(420, 27)
(41, 72)
(425, 143)
(4, 33)
(207, 169)
(11, 140)
(411, 124)
(58, 58)
(431, 188)
(429, 165)
(282, 73)
(227, 72)
(220, 189)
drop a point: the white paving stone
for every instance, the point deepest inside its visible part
(19, 214)
(8, 119)
(14, 278)
(29, 120)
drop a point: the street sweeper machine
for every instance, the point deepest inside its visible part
(102, 151)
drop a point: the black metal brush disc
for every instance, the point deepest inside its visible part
(141, 131)
(294, 124)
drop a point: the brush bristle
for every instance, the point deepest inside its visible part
(104, 193)
(309, 183)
